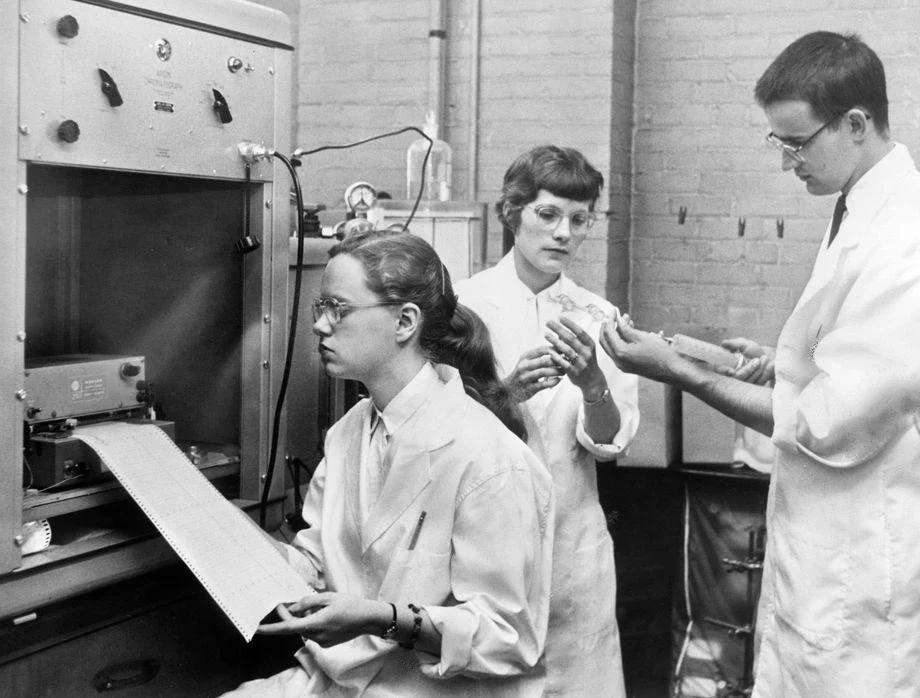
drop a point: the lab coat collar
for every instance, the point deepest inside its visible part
(407, 400)
(871, 192)
(413, 440)
(868, 195)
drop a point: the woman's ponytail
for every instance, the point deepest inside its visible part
(468, 348)
(402, 267)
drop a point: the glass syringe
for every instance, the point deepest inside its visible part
(707, 352)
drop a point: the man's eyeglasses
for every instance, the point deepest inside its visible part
(334, 310)
(794, 150)
(549, 217)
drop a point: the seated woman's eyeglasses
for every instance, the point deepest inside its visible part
(334, 310)
(549, 217)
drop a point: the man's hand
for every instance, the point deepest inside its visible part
(758, 368)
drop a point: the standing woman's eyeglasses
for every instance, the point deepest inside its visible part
(549, 217)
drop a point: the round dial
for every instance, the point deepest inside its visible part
(360, 196)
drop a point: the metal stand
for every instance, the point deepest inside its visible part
(750, 566)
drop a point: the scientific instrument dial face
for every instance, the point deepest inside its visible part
(360, 196)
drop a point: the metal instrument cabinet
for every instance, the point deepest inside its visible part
(122, 195)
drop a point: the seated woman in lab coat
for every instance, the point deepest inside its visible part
(430, 522)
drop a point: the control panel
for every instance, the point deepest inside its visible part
(121, 90)
(58, 387)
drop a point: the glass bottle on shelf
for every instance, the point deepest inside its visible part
(438, 169)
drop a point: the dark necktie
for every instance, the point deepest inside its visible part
(839, 210)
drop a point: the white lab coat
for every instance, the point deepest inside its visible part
(839, 612)
(480, 565)
(583, 644)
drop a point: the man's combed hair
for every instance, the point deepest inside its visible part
(832, 73)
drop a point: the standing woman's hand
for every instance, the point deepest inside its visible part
(573, 350)
(536, 370)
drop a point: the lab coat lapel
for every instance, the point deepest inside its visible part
(815, 314)
(827, 266)
(409, 460)
(350, 463)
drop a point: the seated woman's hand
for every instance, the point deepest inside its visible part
(330, 618)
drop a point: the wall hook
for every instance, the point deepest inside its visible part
(681, 215)
(741, 225)
(780, 227)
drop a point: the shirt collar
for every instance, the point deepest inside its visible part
(509, 267)
(407, 400)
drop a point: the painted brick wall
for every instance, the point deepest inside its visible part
(657, 93)
(698, 143)
(548, 73)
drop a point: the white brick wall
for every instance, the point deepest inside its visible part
(657, 93)
(699, 143)
(547, 75)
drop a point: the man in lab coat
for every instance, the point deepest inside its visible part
(839, 610)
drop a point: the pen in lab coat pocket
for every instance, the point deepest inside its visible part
(418, 529)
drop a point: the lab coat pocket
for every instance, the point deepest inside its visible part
(419, 575)
(812, 582)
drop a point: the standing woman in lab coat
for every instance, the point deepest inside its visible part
(430, 522)
(579, 407)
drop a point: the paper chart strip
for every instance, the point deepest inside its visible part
(244, 573)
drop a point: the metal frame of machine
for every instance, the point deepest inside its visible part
(182, 121)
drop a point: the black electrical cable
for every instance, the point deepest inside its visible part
(298, 269)
(246, 215)
(286, 374)
(300, 153)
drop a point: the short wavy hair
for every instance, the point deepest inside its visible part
(564, 172)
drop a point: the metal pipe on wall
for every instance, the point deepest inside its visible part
(437, 63)
(472, 186)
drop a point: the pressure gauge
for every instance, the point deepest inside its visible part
(360, 196)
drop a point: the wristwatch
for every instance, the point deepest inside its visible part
(603, 398)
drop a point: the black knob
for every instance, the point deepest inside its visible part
(32, 411)
(68, 131)
(129, 370)
(141, 385)
(110, 89)
(221, 107)
(247, 244)
(68, 26)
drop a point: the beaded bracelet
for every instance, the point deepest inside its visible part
(416, 627)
